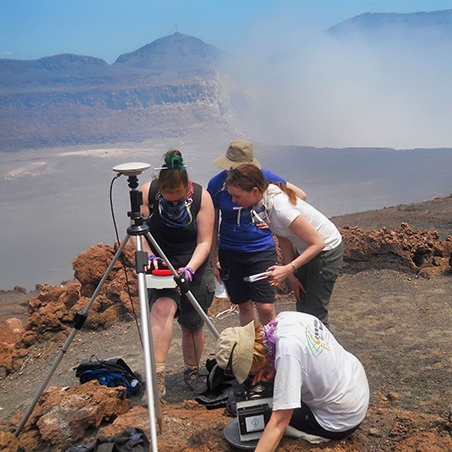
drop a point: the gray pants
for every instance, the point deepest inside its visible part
(318, 277)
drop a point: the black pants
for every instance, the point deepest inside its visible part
(303, 420)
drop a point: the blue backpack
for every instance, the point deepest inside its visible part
(112, 372)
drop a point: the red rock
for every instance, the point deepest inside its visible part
(9, 442)
(11, 330)
(62, 417)
(395, 249)
(6, 357)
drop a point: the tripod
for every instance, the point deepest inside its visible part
(138, 229)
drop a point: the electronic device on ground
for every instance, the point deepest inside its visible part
(252, 417)
(253, 411)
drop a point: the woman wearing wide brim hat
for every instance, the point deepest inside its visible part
(320, 391)
(245, 246)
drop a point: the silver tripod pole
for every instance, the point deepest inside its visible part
(152, 390)
(147, 345)
(136, 229)
(79, 319)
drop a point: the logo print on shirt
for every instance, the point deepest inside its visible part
(316, 339)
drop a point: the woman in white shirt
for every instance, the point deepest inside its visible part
(311, 245)
(320, 389)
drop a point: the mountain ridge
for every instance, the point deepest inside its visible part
(174, 52)
(72, 100)
(174, 87)
(404, 23)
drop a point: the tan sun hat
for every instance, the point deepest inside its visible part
(239, 151)
(235, 350)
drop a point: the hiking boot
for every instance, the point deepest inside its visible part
(161, 388)
(195, 382)
(161, 384)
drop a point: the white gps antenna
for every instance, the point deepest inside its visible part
(132, 168)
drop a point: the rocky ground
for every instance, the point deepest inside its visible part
(394, 316)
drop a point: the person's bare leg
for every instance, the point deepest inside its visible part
(266, 312)
(192, 348)
(247, 313)
(162, 316)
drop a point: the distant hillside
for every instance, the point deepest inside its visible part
(386, 25)
(179, 87)
(173, 86)
(179, 53)
(435, 213)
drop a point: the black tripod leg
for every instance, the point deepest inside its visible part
(78, 323)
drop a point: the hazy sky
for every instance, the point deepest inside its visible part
(319, 94)
(31, 29)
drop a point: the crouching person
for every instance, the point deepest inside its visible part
(320, 389)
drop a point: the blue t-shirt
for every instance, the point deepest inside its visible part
(237, 229)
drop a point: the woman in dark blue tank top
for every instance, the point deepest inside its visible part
(180, 217)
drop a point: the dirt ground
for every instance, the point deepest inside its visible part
(398, 324)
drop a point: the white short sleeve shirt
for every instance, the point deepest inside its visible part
(311, 366)
(281, 213)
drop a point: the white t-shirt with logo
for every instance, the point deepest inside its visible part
(311, 366)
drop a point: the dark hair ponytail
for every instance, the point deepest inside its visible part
(173, 175)
(173, 160)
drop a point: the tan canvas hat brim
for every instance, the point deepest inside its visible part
(227, 164)
(240, 342)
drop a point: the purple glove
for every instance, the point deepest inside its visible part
(153, 261)
(187, 272)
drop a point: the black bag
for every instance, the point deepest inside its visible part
(130, 440)
(219, 386)
(112, 372)
(225, 391)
